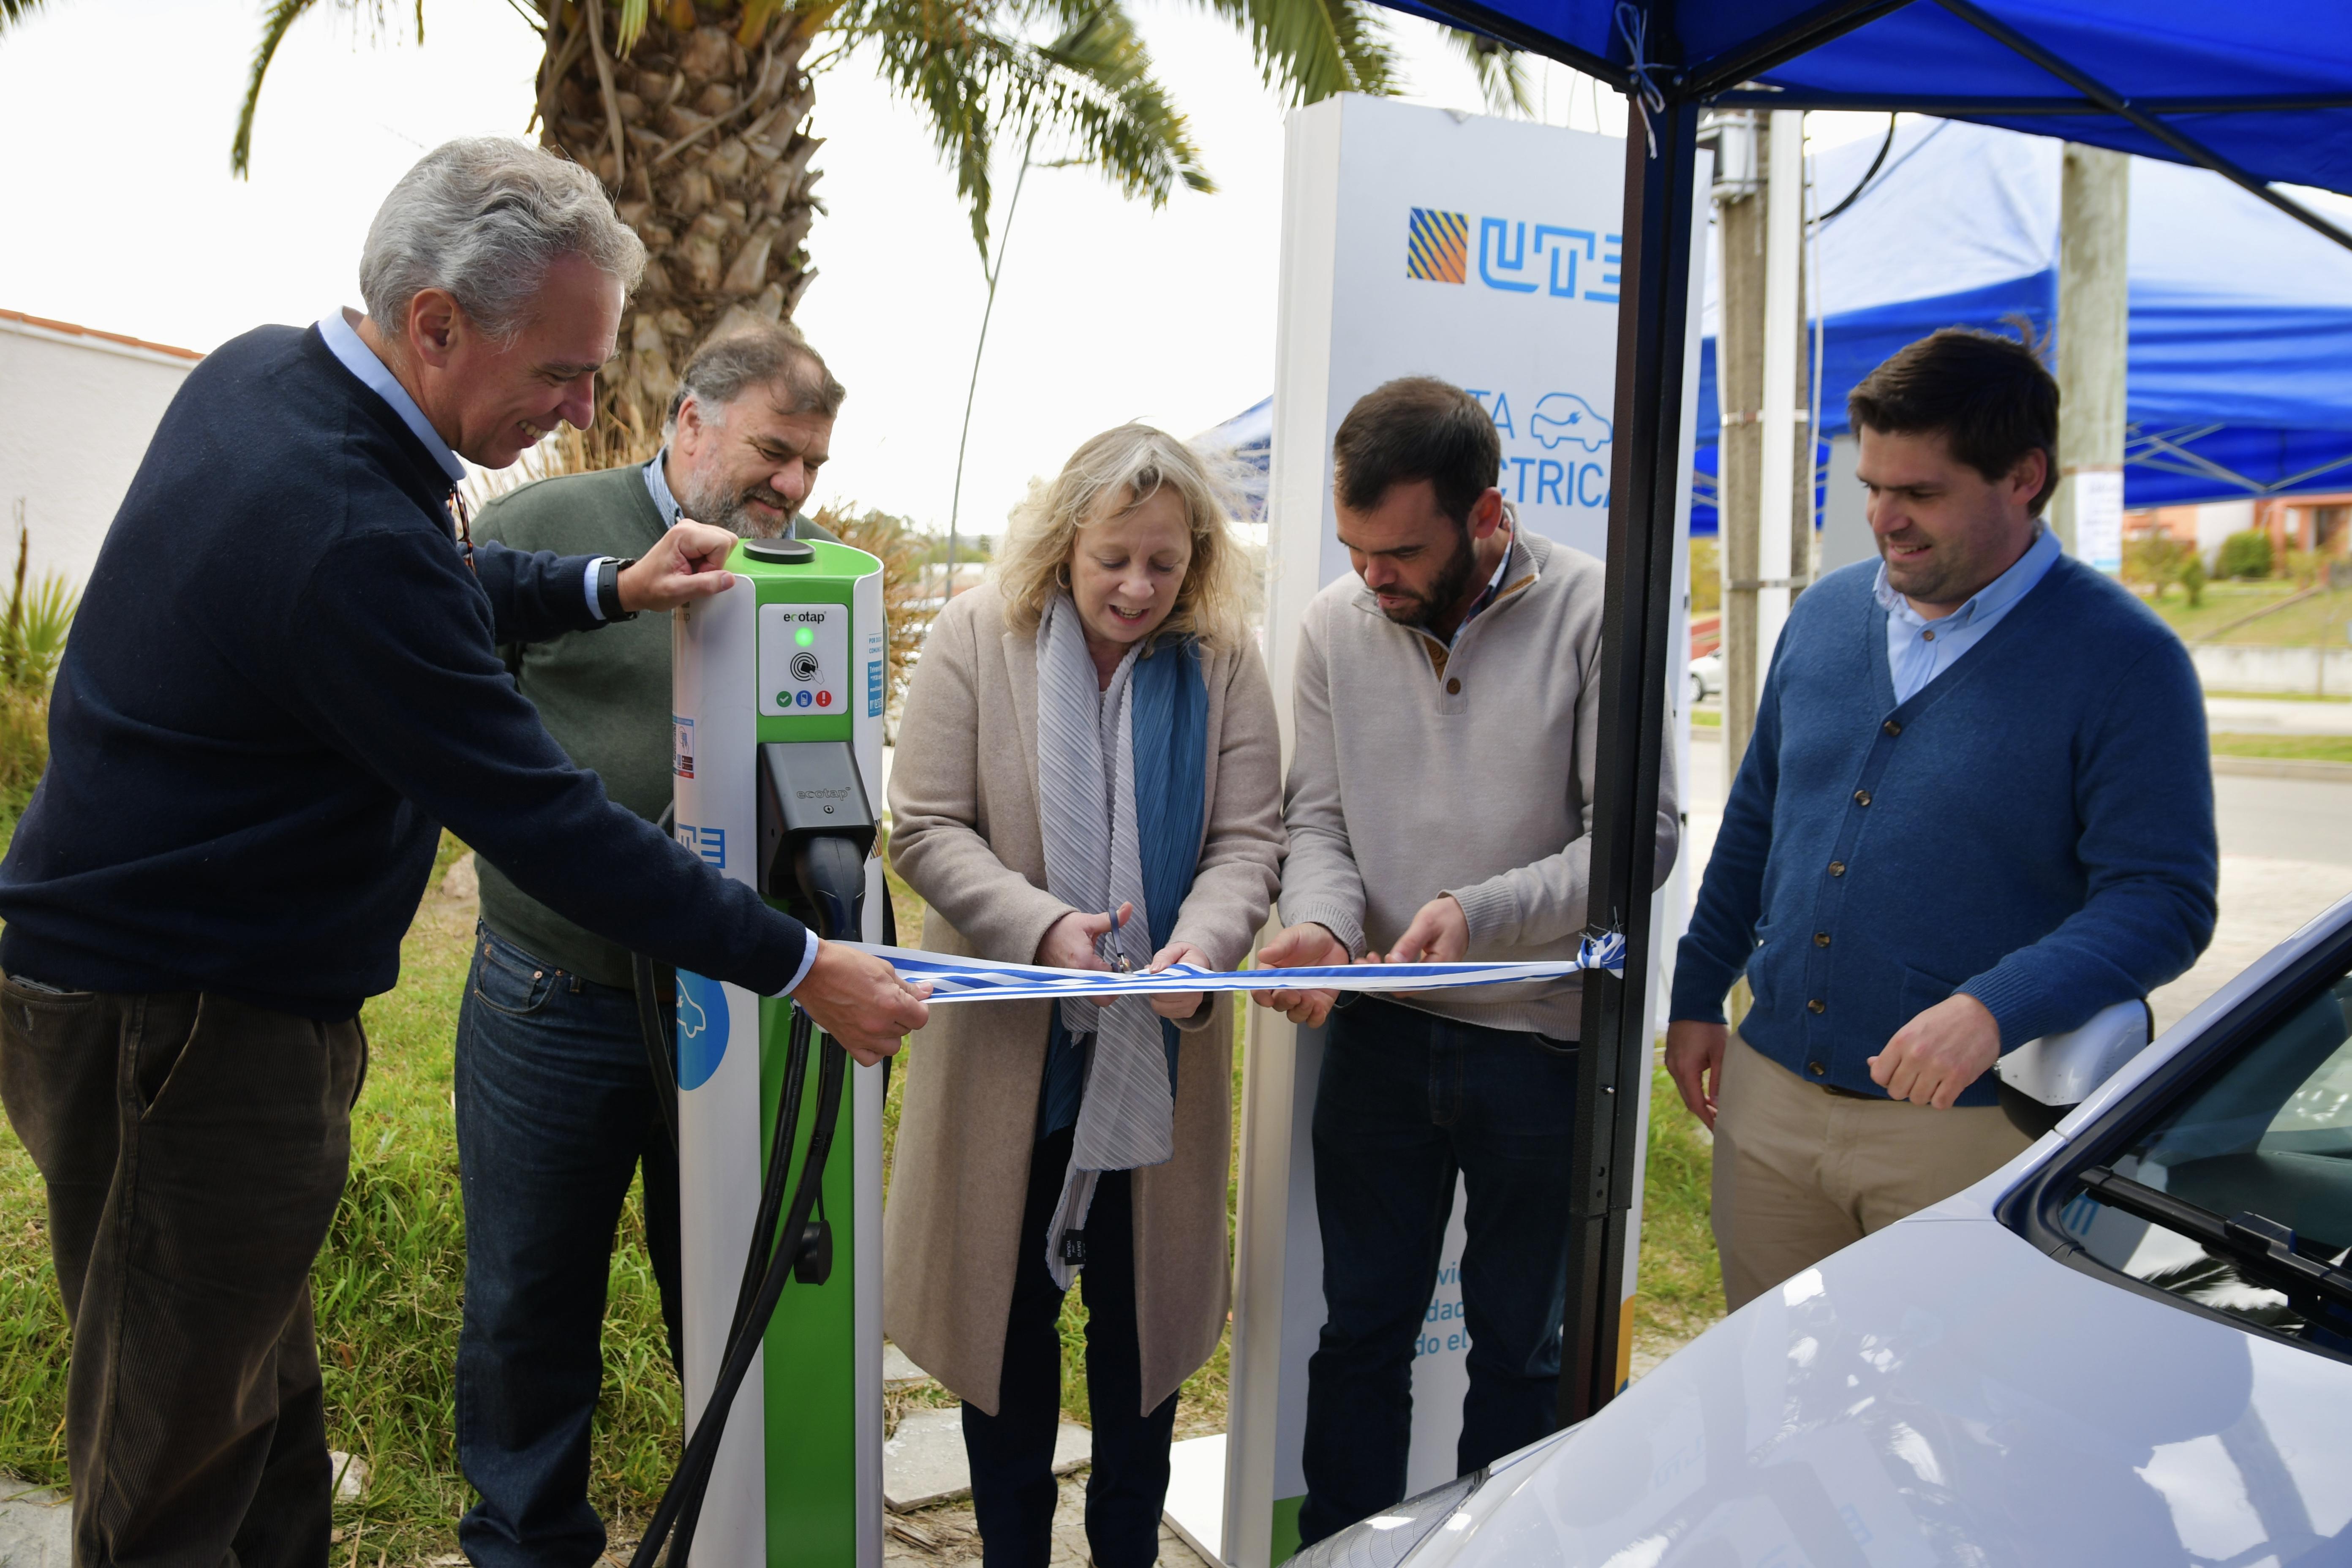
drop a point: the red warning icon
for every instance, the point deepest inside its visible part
(825, 699)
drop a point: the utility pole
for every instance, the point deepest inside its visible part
(1765, 446)
(2094, 345)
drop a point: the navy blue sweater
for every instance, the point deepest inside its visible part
(283, 680)
(2034, 827)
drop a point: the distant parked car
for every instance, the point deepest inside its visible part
(2130, 1346)
(1707, 677)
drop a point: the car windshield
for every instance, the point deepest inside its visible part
(2267, 1137)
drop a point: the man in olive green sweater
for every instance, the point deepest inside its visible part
(555, 1099)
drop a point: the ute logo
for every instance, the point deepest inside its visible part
(1513, 256)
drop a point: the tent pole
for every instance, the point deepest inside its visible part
(1636, 624)
(1964, 108)
(1783, 44)
(2106, 97)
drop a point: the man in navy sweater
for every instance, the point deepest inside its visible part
(283, 680)
(1977, 809)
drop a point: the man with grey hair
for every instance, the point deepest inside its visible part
(556, 1106)
(284, 678)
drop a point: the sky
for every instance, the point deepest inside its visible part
(1106, 311)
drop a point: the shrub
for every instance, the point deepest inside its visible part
(902, 551)
(33, 626)
(2157, 561)
(2246, 554)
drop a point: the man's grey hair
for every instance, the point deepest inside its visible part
(771, 354)
(484, 217)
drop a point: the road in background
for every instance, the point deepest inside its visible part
(2286, 854)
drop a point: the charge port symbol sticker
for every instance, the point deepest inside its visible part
(804, 667)
(803, 699)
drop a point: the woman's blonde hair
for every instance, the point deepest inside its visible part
(1108, 476)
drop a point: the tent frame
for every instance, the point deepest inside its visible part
(1659, 170)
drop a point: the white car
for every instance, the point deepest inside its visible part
(1706, 677)
(2130, 1346)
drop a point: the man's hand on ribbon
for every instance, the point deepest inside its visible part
(860, 1000)
(1302, 946)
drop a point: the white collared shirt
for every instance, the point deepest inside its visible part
(1919, 649)
(339, 329)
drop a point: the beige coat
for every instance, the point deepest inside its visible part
(965, 835)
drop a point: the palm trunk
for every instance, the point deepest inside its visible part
(700, 140)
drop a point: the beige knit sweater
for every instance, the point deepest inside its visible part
(1419, 770)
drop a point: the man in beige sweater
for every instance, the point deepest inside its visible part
(1439, 806)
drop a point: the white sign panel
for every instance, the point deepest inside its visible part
(2099, 518)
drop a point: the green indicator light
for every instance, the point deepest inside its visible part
(804, 637)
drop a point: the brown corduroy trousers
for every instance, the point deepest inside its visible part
(194, 1149)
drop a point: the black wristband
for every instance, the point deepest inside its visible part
(608, 589)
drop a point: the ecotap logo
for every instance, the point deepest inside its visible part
(1515, 256)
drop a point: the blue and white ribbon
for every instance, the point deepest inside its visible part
(984, 980)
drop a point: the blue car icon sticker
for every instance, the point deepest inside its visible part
(1561, 417)
(701, 1028)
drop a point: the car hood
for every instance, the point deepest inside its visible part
(1940, 1392)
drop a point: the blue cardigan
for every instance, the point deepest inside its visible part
(2034, 827)
(283, 680)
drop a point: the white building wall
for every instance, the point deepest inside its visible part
(2219, 520)
(77, 411)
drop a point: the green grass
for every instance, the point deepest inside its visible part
(2224, 602)
(2282, 696)
(2295, 748)
(1707, 718)
(1679, 1290)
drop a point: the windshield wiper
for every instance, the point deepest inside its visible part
(2261, 1245)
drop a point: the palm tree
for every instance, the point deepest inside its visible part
(694, 114)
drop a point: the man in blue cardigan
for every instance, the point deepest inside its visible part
(283, 680)
(1977, 809)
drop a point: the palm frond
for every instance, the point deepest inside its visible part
(1502, 74)
(1310, 49)
(281, 14)
(978, 82)
(631, 27)
(14, 11)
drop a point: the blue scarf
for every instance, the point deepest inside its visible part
(1170, 723)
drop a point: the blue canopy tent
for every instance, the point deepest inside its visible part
(2240, 317)
(2256, 94)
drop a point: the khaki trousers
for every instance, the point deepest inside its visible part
(1800, 1173)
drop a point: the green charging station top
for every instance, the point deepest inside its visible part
(817, 671)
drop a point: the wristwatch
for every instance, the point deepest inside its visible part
(608, 588)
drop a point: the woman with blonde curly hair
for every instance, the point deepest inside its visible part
(1086, 777)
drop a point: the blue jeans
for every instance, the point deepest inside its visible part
(1407, 1099)
(1012, 1452)
(556, 1111)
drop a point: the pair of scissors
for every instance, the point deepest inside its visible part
(1114, 958)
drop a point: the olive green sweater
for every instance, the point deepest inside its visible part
(605, 696)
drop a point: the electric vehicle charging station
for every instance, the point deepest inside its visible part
(778, 698)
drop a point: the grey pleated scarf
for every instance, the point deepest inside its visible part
(1086, 789)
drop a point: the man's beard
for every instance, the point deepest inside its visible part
(733, 511)
(1453, 582)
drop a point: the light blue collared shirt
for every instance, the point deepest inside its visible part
(340, 328)
(1919, 649)
(658, 486)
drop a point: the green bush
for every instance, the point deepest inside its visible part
(2246, 554)
(33, 626)
(2159, 561)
